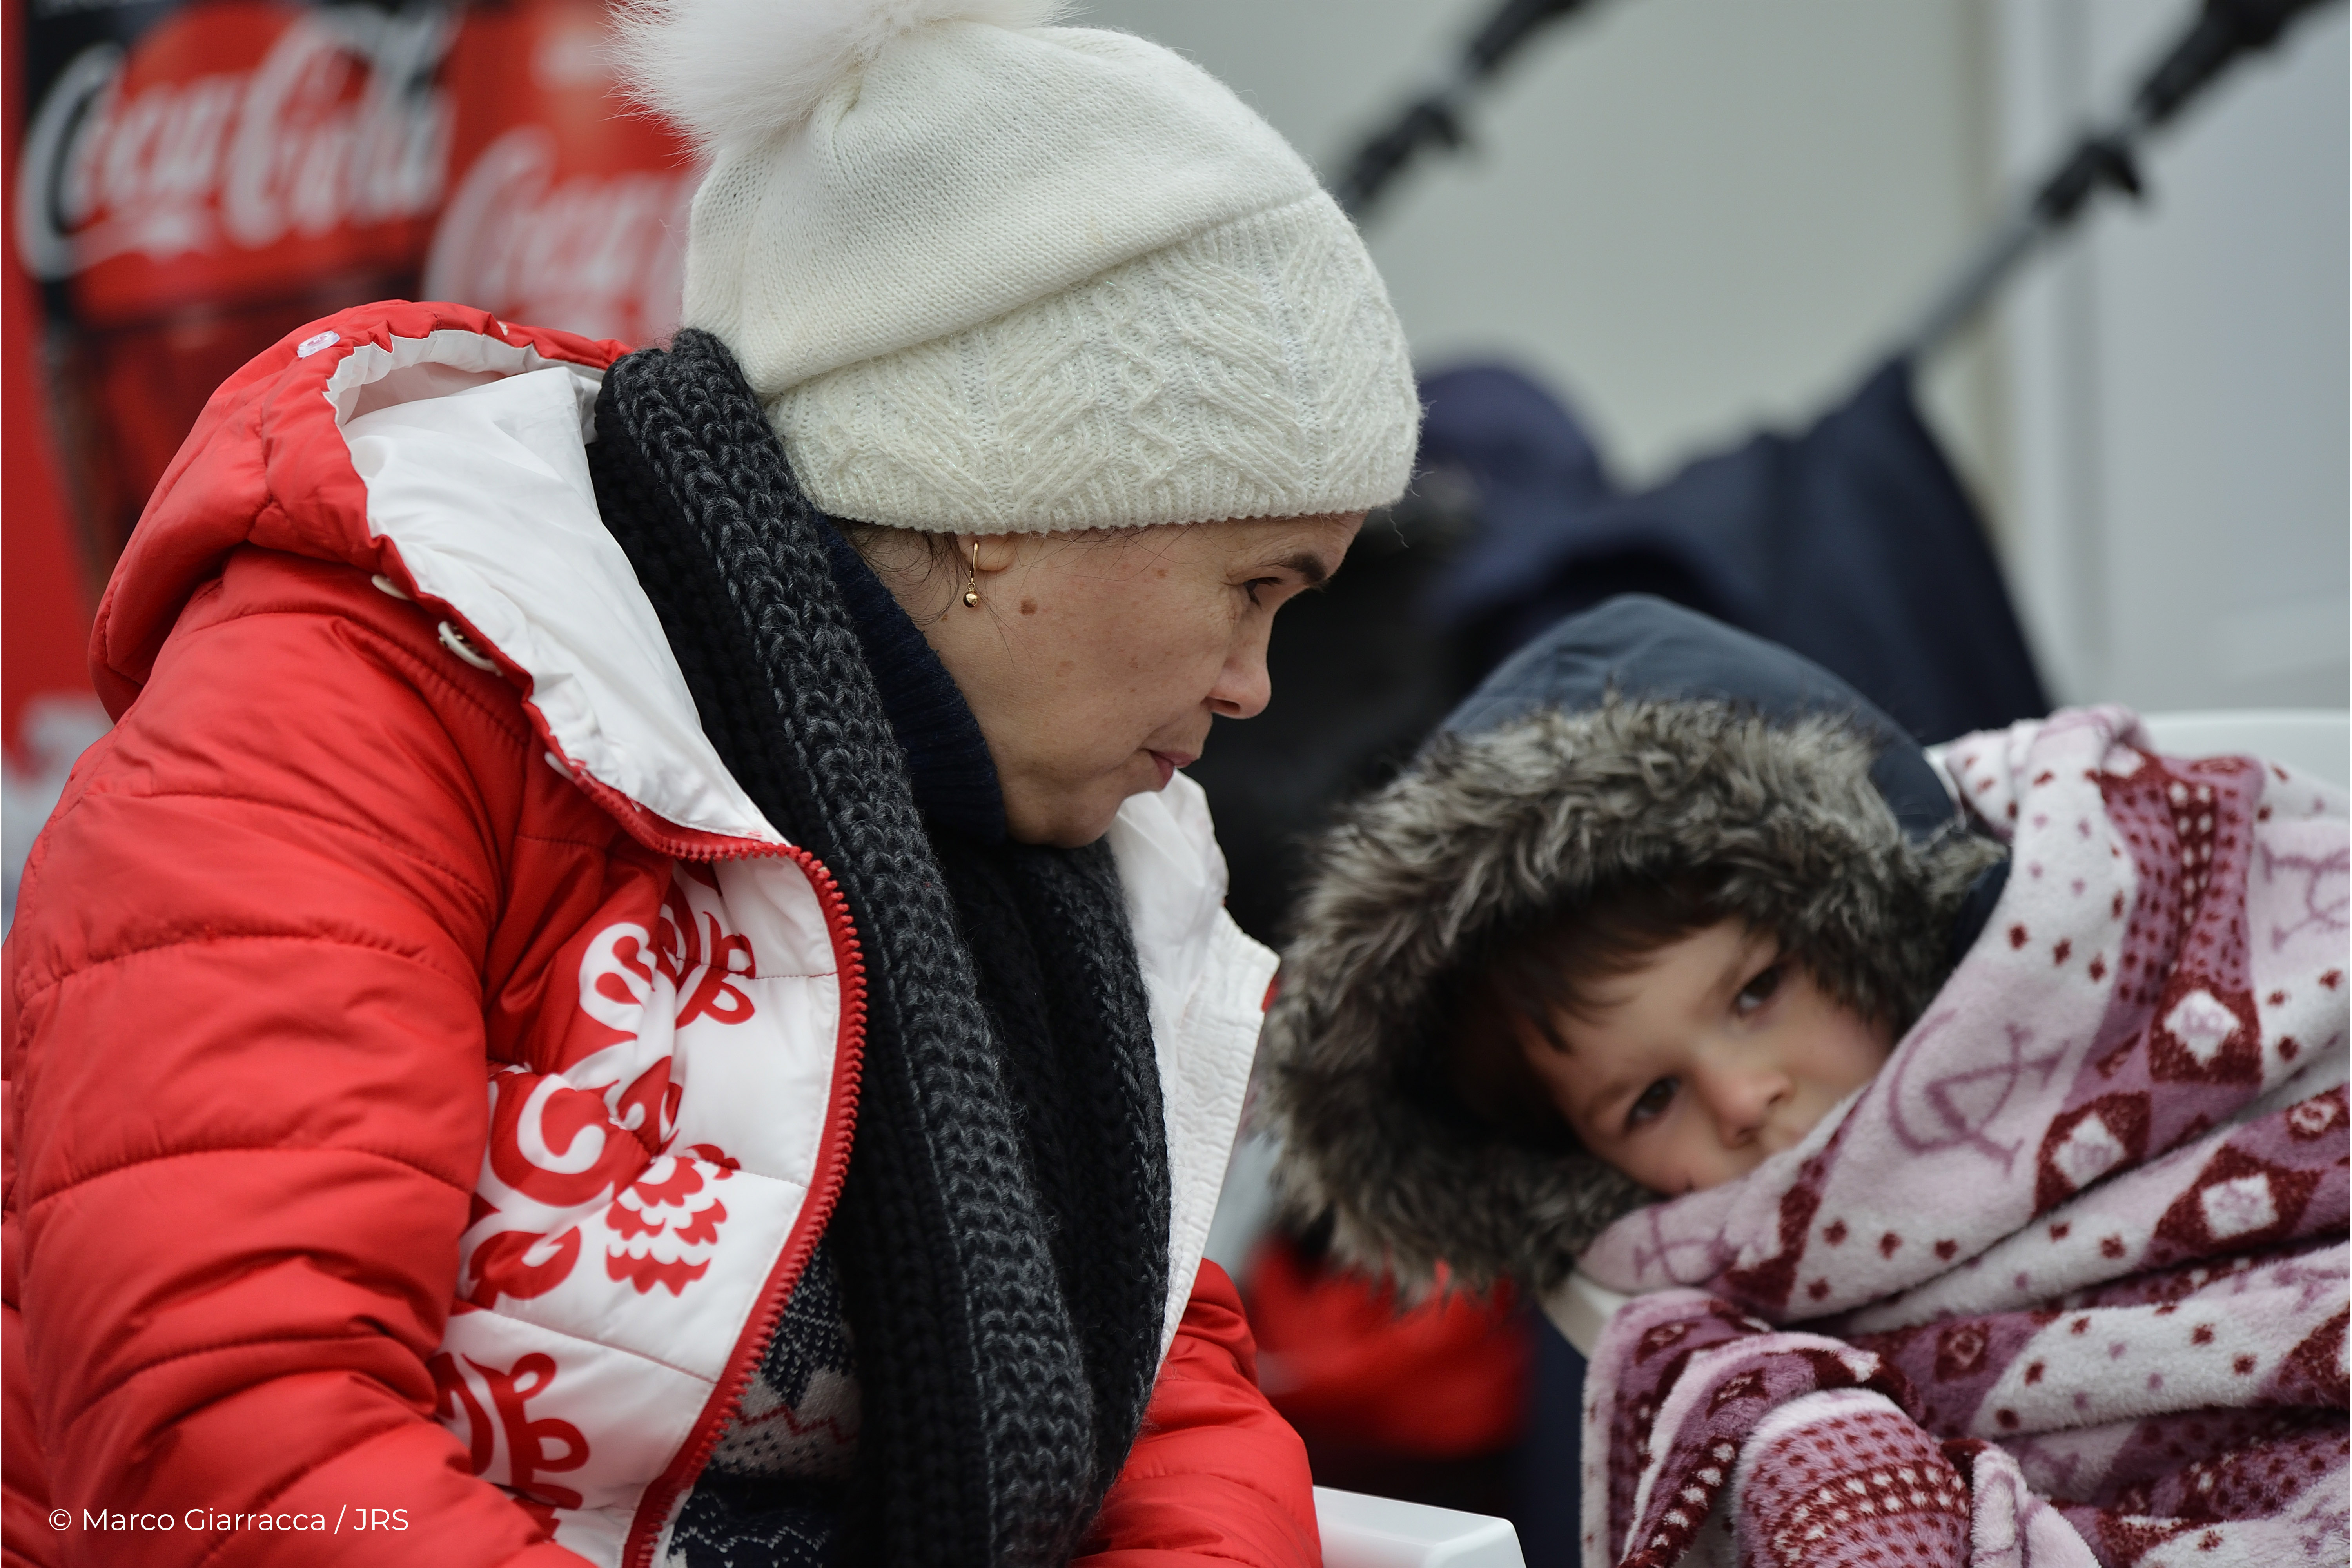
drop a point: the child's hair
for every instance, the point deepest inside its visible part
(1530, 977)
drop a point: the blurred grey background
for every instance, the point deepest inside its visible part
(1694, 217)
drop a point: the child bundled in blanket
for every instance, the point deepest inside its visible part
(1998, 1100)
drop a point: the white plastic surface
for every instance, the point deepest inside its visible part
(2314, 741)
(1360, 1532)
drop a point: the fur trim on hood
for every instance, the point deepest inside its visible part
(1491, 832)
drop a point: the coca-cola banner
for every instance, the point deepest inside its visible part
(194, 179)
(188, 180)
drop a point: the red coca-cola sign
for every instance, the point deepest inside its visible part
(561, 211)
(233, 149)
(192, 181)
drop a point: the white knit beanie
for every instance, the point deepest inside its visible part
(988, 276)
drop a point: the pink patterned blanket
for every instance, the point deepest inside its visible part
(2070, 1273)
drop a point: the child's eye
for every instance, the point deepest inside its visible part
(1758, 991)
(1652, 1102)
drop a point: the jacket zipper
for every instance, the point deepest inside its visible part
(661, 1497)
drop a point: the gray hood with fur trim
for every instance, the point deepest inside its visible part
(1632, 742)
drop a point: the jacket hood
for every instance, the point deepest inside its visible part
(267, 462)
(442, 451)
(1633, 742)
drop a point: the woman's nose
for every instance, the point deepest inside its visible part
(1244, 687)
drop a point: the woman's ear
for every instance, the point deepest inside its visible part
(988, 552)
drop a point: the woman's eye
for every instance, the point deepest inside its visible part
(1758, 991)
(1254, 584)
(1652, 1102)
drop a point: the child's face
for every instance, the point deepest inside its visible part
(1714, 1055)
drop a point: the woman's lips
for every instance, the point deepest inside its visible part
(1169, 761)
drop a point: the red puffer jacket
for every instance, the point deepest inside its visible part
(427, 1071)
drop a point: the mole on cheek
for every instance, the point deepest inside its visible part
(1028, 607)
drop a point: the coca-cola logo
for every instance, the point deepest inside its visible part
(604, 254)
(338, 124)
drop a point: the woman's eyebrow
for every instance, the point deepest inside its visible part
(1307, 565)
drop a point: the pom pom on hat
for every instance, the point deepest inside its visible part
(726, 72)
(988, 276)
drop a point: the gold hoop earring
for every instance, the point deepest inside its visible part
(972, 580)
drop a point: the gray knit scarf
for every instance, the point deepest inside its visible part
(1003, 1238)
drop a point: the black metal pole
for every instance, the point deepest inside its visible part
(1435, 118)
(2103, 158)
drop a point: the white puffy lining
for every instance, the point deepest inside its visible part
(474, 453)
(1206, 983)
